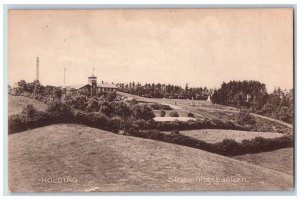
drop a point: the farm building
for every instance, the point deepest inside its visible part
(93, 88)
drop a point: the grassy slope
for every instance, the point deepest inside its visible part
(16, 103)
(102, 161)
(280, 160)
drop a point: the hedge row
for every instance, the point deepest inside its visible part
(228, 147)
(196, 124)
(158, 106)
(58, 112)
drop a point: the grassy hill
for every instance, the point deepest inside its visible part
(280, 160)
(16, 104)
(102, 161)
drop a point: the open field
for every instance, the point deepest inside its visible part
(177, 103)
(281, 160)
(217, 135)
(16, 104)
(102, 161)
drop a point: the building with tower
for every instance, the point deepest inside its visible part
(93, 88)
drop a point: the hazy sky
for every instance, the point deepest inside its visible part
(202, 47)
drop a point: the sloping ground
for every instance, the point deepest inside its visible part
(16, 104)
(281, 160)
(96, 160)
(218, 135)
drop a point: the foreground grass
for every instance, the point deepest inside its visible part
(102, 161)
(218, 135)
(281, 160)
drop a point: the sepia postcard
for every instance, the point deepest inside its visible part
(151, 100)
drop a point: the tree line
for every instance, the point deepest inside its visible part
(165, 91)
(37, 91)
(253, 95)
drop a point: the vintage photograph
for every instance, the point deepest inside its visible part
(151, 100)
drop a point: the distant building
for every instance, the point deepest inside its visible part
(93, 88)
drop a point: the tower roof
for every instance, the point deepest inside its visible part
(93, 76)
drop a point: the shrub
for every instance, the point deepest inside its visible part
(245, 118)
(111, 96)
(29, 110)
(174, 114)
(59, 112)
(158, 106)
(227, 146)
(162, 113)
(77, 101)
(21, 122)
(16, 123)
(142, 112)
(121, 109)
(191, 115)
(106, 108)
(93, 105)
(132, 101)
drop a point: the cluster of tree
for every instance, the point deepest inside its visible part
(37, 91)
(165, 91)
(109, 106)
(254, 96)
(135, 118)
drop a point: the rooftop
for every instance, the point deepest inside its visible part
(101, 85)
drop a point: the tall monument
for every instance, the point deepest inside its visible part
(37, 68)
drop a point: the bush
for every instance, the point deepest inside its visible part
(162, 113)
(174, 114)
(92, 105)
(142, 112)
(22, 122)
(106, 108)
(77, 101)
(245, 118)
(111, 96)
(29, 110)
(158, 106)
(191, 115)
(121, 109)
(59, 112)
(133, 101)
